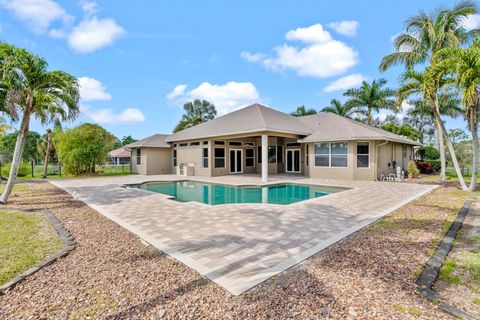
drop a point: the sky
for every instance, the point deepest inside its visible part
(138, 62)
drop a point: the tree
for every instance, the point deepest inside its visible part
(342, 109)
(303, 111)
(371, 97)
(81, 148)
(462, 66)
(402, 130)
(47, 153)
(29, 88)
(127, 140)
(426, 34)
(196, 112)
(30, 152)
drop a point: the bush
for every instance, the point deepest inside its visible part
(424, 167)
(428, 153)
(412, 168)
(437, 165)
(23, 170)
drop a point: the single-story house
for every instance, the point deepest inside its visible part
(120, 156)
(258, 139)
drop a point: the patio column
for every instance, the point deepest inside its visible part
(264, 158)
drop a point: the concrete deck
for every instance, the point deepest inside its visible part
(241, 245)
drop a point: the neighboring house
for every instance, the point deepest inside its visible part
(258, 139)
(120, 156)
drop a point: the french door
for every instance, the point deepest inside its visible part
(236, 163)
(293, 161)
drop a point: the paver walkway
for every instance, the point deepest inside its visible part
(241, 245)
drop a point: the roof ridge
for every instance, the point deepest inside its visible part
(262, 118)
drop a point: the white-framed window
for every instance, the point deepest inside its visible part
(363, 154)
(139, 156)
(183, 144)
(174, 157)
(249, 157)
(219, 143)
(235, 143)
(219, 157)
(205, 157)
(331, 154)
(195, 143)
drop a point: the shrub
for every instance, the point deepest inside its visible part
(428, 153)
(437, 166)
(23, 170)
(412, 168)
(425, 167)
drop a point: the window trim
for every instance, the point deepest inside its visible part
(139, 156)
(307, 158)
(174, 158)
(224, 158)
(254, 158)
(330, 155)
(356, 154)
(205, 158)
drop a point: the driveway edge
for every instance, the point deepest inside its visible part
(69, 244)
(432, 268)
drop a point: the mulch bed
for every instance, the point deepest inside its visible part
(111, 274)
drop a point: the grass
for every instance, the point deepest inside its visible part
(25, 239)
(101, 170)
(447, 270)
(16, 187)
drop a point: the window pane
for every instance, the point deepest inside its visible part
(339, 161)
(259, 154)
(272, 154)
(339, 148)
(235, 143)
(174, 162)
(219, 142)
(322, 161)
(279, 154)
(205, 152)
(219, 152)
(362, 148)
(322, 148)
(219, 163)
(249, 162)
(249, 153)
(362, 161)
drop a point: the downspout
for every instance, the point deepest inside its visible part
(377, 155)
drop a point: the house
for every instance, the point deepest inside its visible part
(120, 156)
(258, 139)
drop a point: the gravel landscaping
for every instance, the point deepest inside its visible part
(111, 274)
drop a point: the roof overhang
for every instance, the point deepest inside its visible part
(236, 133)
(410, 142)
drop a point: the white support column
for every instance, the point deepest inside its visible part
(264, 158)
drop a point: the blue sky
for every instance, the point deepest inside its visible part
(138, 64)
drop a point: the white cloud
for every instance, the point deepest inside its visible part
(347, 28)
(345, 83)
(406, 106)
(313, 34)
(252, 57)
(177, 92)
(92, 90)
(109, 116)
(90, 8)
(321, 57)
(226, 97)
(471, 22)
(37, 14)
(94, 34)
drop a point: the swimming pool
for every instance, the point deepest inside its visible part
(209, 193)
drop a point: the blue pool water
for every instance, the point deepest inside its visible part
(214, 194)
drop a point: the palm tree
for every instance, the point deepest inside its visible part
(372, 97)
(303, 111)
(196, 112)
(47, 153)
(30, 89)
(463, 68)
(422, 84)
(342, 109)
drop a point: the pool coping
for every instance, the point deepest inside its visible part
(239, 287)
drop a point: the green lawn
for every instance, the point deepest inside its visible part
(103, 171)
(25, 239)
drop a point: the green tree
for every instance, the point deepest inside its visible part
(81, 148)
(303, 111)
(342, 109)
(462, 66)
(30, 152)
(402, 130)
(127, 140)
(371, 97)
(196, 112)
(426, 34)
(29, 88)
(457, 136)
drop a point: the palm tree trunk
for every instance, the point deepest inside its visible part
(441, 149)
(17, 153)
(369, 115)
(47, 153)
(443, 132)
(474, 129)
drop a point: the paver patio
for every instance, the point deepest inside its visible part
(241, 245)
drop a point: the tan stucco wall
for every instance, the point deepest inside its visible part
(153, 161)
(387, 153)
(193, 155)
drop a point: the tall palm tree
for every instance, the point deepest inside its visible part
(423, 85)
(30, 89)
(371, 97)
(463, 68)
(303, 111)
(342, 109)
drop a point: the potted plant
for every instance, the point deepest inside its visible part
(412, 169)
